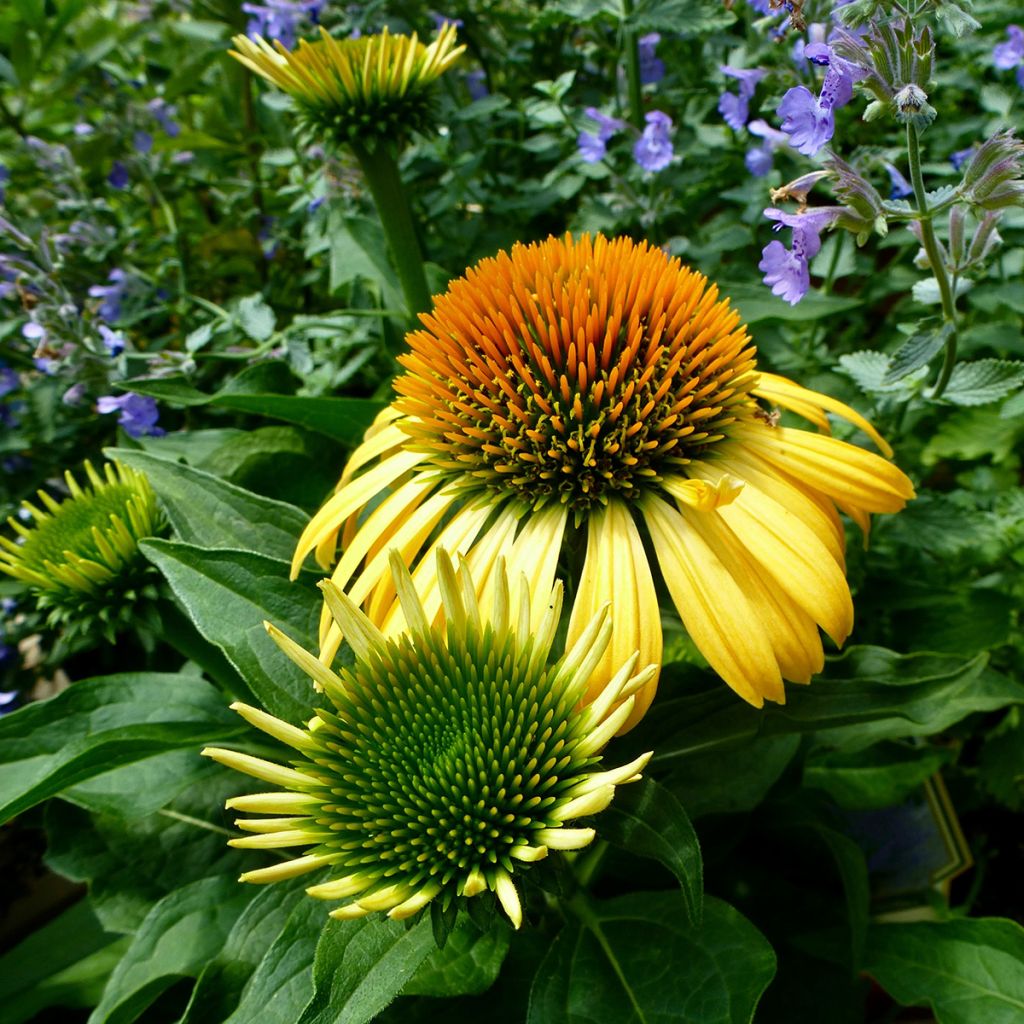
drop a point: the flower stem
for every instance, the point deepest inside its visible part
(931, 247)
(629, 45)
(381, 170)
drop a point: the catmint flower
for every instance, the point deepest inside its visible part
(9, 380)
(46, 365)
(1011, 53)
(163, 114)
(901, 188)
(142, 142)
(761, 6)
(74, 395)
(279, 19)
(476, 84)
(652, 69)
(815, 34)
(592, 145)
(8, 698)
(8, 605)
(184, 156)
(759, 159)
(113, 341)
(34, 332)
(112, 294)
(440, 20)
(314, 204)
(653, 150)
(787, 271)
(734, 108)
(137, 414)
(118, 177)
(961, 157)
(82, 129)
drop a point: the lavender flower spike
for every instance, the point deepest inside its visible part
(653, 150)
(787, 271)
(138, 413)
(734, 108)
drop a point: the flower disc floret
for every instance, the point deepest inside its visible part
(449, 758)
(80, 558)
(361, 90)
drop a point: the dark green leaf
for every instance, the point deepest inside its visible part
(177, 938)
(871, 372)
(210, 512)
(756, 304)
(358, 249)
(969, 971)
(361, 966)
(343, 419)
(983, 381)
(228, 595)
(100, 724)
(634, 960)
(915, 352)
(468, 964)
(647, 819)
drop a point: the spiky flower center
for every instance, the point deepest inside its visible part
(573, 370)
(444, 758)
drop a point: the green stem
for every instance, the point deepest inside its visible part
(931, 247)
(381, 170)
(632, 52)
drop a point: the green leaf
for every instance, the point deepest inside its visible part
(1001, 763)
(684, 18)
(635, 960)
(968, 971)
(647, 819)
(983, 381)
(255, 317)
(872, 373)
(64, 963)
(228, 595)
(756, 303)
(100, 724)
(468, 964)
(865, 695)
(880, 776)
(969, 434)
(343, 419)
(915, 352)
(177, 938)
(361, 966)
(208, 511)
(1013, 407)
(358, 249)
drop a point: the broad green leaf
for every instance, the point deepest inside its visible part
(983, 381)
(358, 249)
(64, 963)
(969, 971)
(646, 819)
(865, 695)
(915, 352)
(255, 317)
(100, 724)
(1013, 407)
(872, 373)
(208, 511)
(247, 948)
(635, 960)
(343, 419)
(756, 304)
(177, 938)
(880, 776)
(468, 964)
(685, 18)
(228, 595)
(361, 966)
(975, 434)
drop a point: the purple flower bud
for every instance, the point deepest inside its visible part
(74, 395)
(901, 188)
(118, 177)
(112, 294)
(735, 108)
(314, 204)
(138, 414)
(440, 20)
(652, 69)
(163, 114)
(591, 145)
(653, 150)
(113, 341)
(759, 160)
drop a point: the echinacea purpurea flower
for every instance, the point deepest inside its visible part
(449, 757)
(598, 385)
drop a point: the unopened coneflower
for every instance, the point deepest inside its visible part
(446, 759)
(599, 386)
(80, 556)
(370, 93)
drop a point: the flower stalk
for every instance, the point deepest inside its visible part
(632, 52)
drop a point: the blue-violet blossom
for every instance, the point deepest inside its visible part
(653, 150)
(652, 69)
(787, 271)
(592, 145)
(734, 108)
(1011, 53)
(138, 414)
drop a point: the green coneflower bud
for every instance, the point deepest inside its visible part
(81, 558)
(450, 757)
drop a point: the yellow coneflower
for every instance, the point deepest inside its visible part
(599, 386)
(451, 757)
(376, 86)
(81, 558)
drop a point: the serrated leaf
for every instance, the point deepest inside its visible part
(100, 724)
(927, 291)
(967, 971)
(636, 960)
(255, 317)
(915, 352)
(648, 820)
(975, 433)
(870, 372)
(1013, 407)
(983, 381)
(205, 510)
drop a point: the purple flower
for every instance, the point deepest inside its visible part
(8, 698)
(46, 365)
(138, 414)
(279, 19)
(476, 83)
(761, 6)
(83, 128)
(787, 271)
(142, 142)
(113, 341)
(9, 380)
(591, 145)
(118, 177)
(112, 294)
(8, 605)
(163, 114)
(314, 204)
(653, 150)
(440, 20)
(34, 332)
(5, 176)
(74, 395)
(1011, 53)
(651, 68)
(901, 188)
(808, 124)
(759, 160)
(735, 108)
(184, 156)
(960, 157)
